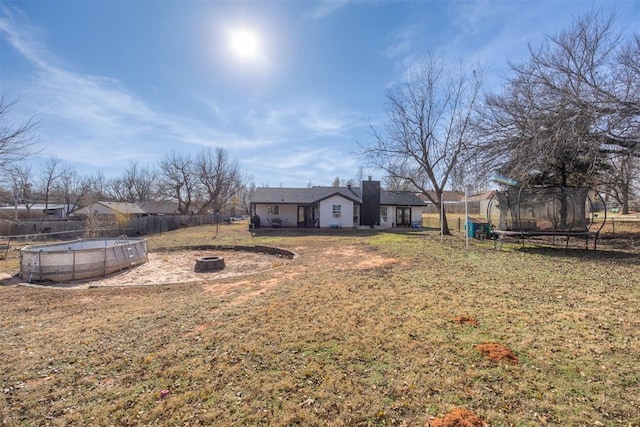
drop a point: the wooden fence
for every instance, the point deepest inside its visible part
(70, 229)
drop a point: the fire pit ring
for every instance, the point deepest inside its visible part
(208, 264)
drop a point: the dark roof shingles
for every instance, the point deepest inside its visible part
(279, 195)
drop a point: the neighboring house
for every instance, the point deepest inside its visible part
(478, 204)
(36, 211)
(454, 202)
(451, 201)
(336, 207)
(447, 196)
(237, 211)
(159, 208)
(110, 209)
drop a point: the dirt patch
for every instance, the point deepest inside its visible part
(459, 417)
(498, 353)
(178, 267)
(466, 320)
(359, 260)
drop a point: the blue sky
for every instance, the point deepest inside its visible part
(119, 81)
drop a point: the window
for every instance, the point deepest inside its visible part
(337, 210)
(274, 210)
(383, 214)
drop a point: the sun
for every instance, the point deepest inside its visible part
(245, 44)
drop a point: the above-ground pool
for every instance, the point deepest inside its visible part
(80, 259)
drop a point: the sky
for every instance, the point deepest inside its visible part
(290, 88)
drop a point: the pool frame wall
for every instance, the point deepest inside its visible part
(80, 259)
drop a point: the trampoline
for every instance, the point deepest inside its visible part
(527, 212)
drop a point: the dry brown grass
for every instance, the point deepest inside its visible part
(356, 331)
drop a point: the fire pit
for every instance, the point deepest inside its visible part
(208, 264)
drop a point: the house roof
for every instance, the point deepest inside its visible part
(121, 207)
(279, 195)
(458, 196)
(36, 206)
(405, 198)
(485, 195)
(447, 196)
(310, 195)
(159, 208)
(139, 208)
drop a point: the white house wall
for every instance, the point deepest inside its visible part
(416, 214)
(288, 214)
(94, 209)
(391, 216)
(345, 220)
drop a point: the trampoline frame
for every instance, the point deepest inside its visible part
(523, 230)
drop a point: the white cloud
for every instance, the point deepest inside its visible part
(403, 42)
(325, 8)
(22, 36)
(324, 120)
(96, 120)
(296, 163)
(302, 121)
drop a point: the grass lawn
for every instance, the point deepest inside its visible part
(363, 328)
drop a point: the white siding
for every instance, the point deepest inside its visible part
(391, 216)
(416, 214)
(288, 214)
(346, 212)
(94, 209)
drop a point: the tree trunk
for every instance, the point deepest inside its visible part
(445, 223)
(625, 197)
(564, 208)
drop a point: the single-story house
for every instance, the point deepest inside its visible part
(479, 203)
(454, 202)
(109, 209)
(35, 211)
(159, 208)
(138, 209)
(336, 207)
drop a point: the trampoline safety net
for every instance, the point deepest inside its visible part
(544, 209)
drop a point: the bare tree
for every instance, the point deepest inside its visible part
(359, 177)
(76, 189)
(428, 128)
(16, 141)
(393, 183)
(538, 144)
(220, 179)
(620, 179)
(23, 186)
(141, 180)
(343, 182)
(177, 180)
(116, 189)
(135, 185)
(99, 186)
(52, 170)
(246, 196)
(570, 110)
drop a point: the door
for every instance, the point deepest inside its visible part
(403, 216)
(305, 217)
